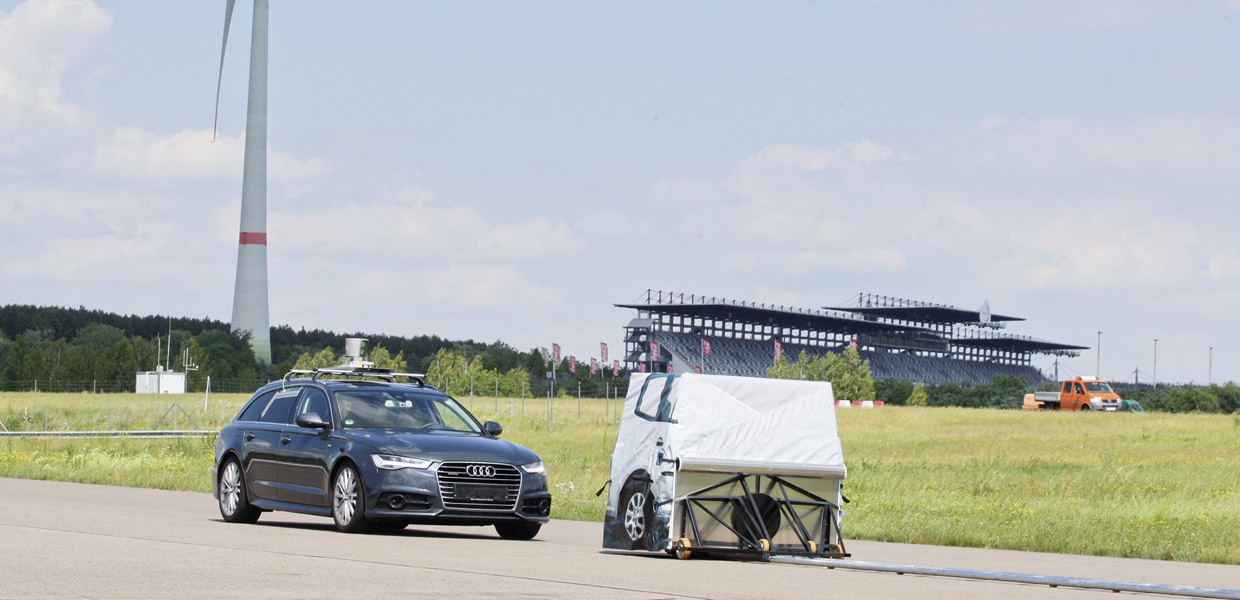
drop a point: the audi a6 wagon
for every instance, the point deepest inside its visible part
(354, 445)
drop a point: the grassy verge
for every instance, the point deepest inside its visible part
(1161, 486)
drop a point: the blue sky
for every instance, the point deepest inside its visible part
(510, 170)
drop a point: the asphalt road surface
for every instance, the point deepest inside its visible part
(65, 540)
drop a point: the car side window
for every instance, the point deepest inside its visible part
(1076, 388)
(314, 400)
(280, 410)
(256, 408)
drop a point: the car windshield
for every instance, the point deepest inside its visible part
(397, 409)
(1097, 386)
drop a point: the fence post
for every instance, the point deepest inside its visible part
(578, 401)
(497, 394)
(523, 397)
(208, 396)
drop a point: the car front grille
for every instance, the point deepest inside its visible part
(479, 486)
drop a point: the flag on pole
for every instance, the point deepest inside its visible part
(593, 366)
(669, 368)
(697, 370)
(615, 368)
(642, 367)
(572, 364)
(603, 358)
(654, 351)
(779, 349)
(555, 352)
(706, 346)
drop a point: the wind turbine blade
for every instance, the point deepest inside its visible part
(228, 10)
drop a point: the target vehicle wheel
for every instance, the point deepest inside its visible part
(638, 509)
(235, 506)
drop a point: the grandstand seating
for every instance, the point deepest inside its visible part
(751, 358)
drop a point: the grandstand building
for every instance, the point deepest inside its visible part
(903, 339)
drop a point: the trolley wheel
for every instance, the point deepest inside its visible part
(813, 547)
(765, 544)
(682, 548)
(833, 549)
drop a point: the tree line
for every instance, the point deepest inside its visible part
(852, 380)
(75, 349)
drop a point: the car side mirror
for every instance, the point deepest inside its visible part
(492, 428)
(312, 420)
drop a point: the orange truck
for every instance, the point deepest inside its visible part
(1082, 393)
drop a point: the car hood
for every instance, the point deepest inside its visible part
(447, 446)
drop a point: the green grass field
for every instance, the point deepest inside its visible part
(1160, 486)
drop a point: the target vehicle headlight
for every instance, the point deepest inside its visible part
(535, 468)
(391, 462)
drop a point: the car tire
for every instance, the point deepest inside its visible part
(349, 500)
(1085, 407)
(514, 531)
(235, 504)
(636, 513)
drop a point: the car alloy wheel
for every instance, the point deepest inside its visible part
(234, 506)
(348, 506)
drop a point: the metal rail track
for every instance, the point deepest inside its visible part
(1049, 580)
(150, 434)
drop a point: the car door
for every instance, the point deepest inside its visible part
(262, 446)
(306, 456)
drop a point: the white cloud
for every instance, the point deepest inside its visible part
(24, 203)
(486, 287)
(1179, 143)
(39, 40)
(867, 152)
(125, 254)
(190, 154)
(411, 225)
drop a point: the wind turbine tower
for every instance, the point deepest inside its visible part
(250, 311)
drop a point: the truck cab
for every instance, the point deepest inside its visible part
(1082, 393)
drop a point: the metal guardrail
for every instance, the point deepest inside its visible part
(1049, 580)
(148, 434)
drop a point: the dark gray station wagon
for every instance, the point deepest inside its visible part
(373, 453)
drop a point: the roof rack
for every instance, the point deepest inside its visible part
(384, 374)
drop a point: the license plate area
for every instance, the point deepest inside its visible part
(481, 493)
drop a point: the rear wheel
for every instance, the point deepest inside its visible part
(235, 505)
(638, 509)
(514, 531)
(349, 501)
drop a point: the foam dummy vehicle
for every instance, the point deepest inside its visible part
(715, 465)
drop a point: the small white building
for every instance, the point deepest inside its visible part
(160, 381)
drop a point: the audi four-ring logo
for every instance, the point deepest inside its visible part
(480, 471)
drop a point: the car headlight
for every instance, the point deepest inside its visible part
(535, 468)
(392, 462)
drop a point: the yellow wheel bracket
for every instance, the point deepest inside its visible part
(682, 548)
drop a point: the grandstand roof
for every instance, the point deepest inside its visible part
(1015, 344)
(794, 318)
(926, 314)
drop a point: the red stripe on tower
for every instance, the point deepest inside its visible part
(251, 238)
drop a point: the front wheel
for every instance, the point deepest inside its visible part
(513, 531)
(1085, 407)
(235, 505)
(349, 501)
